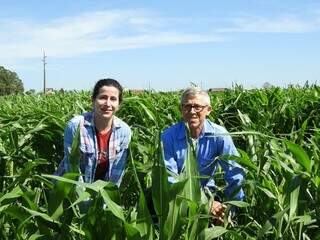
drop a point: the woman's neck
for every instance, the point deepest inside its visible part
(103, 125)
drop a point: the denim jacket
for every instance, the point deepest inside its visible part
(118, 147)
(214, 141)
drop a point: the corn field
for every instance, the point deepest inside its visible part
(277, 133)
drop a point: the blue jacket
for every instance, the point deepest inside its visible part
(214, 141)
(118, 146)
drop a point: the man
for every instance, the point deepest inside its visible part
(211, 141)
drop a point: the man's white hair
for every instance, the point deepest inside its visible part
(195, 91)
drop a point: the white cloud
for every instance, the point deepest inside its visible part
(91, 32)
(284, 24)
(99, 31)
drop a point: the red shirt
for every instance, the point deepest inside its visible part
(103, 154)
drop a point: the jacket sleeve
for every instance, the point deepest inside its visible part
(69, 133)
(233, 172)
(169, 155)
(119, 168)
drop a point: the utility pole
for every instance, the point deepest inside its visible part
(44, 72)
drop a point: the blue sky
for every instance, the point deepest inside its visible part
(162, 45)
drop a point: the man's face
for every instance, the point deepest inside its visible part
(194, 111)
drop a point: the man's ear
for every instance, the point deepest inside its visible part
(209, 109)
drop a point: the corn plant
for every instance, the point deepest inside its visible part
(276, 131)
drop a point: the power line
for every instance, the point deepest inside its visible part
(44, 71)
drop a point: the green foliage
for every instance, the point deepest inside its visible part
(276, 130)
(9, 82)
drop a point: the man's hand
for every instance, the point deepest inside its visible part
(218, 211)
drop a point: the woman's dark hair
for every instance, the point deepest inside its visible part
(107, 82)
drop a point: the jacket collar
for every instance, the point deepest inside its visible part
(207, 130)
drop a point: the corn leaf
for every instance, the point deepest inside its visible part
(214, 232)
(301, 156)
(114, 208)
(160, 190)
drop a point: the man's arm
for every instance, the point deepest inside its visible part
(233, 172)
(233, 175)
(169, 155)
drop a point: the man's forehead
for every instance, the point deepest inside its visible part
(194, 99)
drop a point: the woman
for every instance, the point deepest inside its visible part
(104, 138)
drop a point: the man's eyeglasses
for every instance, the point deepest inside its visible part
(197, 108)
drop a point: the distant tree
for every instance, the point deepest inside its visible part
(31, 92)
(267, 85)
(9, 82)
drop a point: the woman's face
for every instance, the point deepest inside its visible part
(106, 102)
